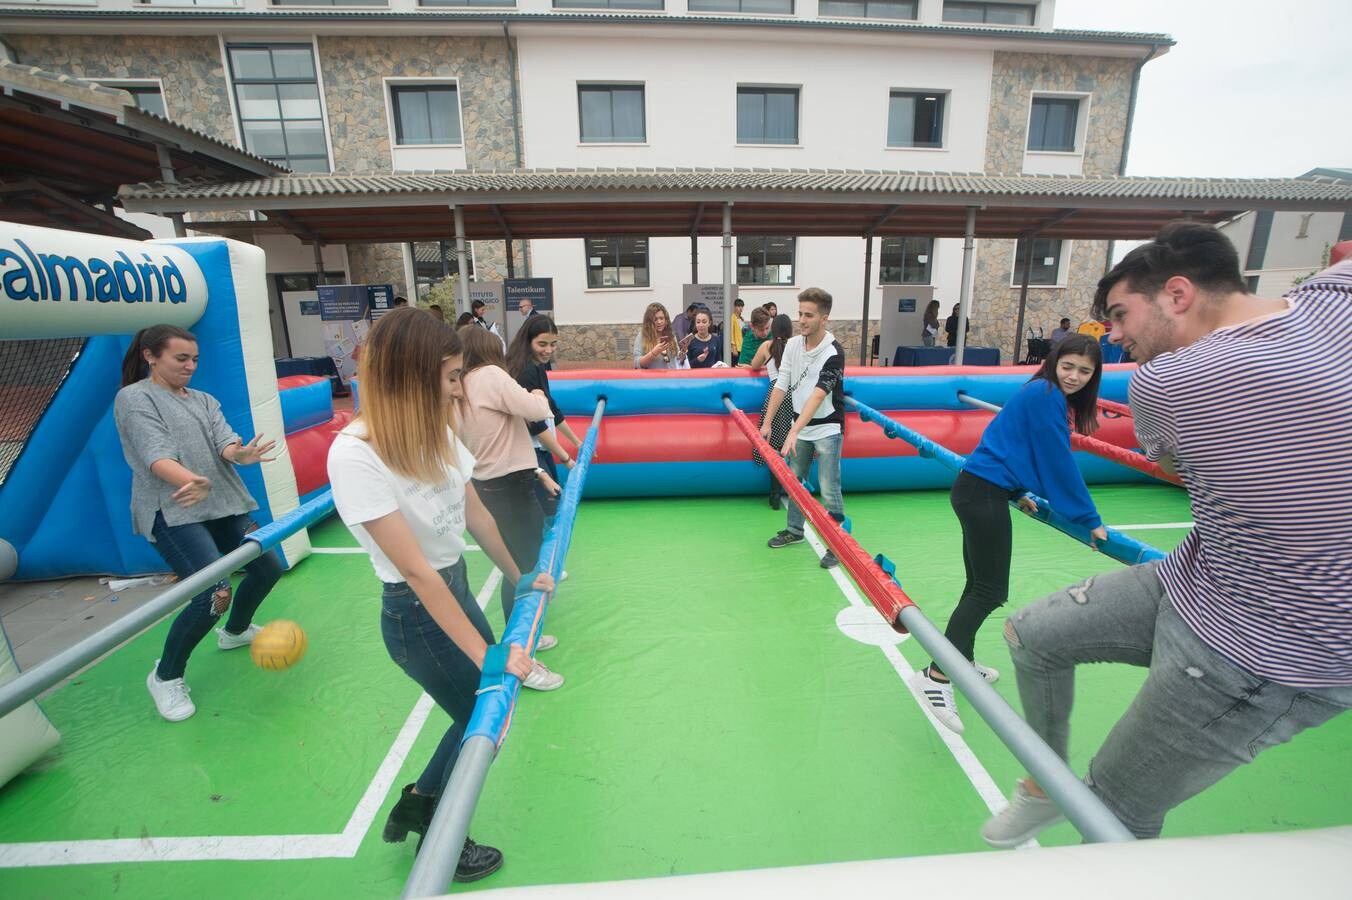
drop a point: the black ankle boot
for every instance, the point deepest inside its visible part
(412, 813)
(477, 861)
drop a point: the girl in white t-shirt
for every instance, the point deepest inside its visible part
(401, 484)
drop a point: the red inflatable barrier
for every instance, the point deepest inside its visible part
(309, 450)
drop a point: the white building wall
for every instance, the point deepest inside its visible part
(690, 95)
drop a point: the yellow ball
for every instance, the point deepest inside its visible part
(278, 645)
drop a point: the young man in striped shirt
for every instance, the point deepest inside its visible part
(1247, 626)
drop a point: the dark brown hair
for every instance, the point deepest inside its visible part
(1084, 402)
(155, 339)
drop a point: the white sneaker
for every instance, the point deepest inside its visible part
(986, 672)
(563, 576)
(227, 641)
(546, 642)
(938, 696)
(542, 679)
(1022, 820)
(171, 697)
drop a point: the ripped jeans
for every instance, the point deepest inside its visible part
(1197, 717)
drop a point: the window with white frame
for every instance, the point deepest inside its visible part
(1047, 258)
(1054, 124)
(741, 6)
(609, 4)
(869, 9)
(616, 262)
(610, 114)
(765, 260)
(381, 3)
(187, 2)
(509, 3)
(915, 119)
(767, 115)
(906, 260)
(425, 114)
(277, 94)
(990, 13)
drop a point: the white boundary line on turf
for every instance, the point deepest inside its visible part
(246, 847)
(976, 773)
(1149, 526)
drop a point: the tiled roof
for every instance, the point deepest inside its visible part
(1230, 193)
(113, 102)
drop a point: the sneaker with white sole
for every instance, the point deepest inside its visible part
(986, 672)
(1023, 819)
(784, 539)
(171, 697)
(542, 679)
(546, 642)
(227, 641)
(938, 696)
(563, 576)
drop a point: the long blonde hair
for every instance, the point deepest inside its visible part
(399, 377)
(650, 335)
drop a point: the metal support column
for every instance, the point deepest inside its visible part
(168, 177)
(965, 301)
(868, 278)
(1024, 278)
(461, 262)
(727, 281)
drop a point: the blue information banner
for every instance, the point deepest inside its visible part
(343, 302)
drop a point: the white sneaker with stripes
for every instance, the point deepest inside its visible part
(938, 696)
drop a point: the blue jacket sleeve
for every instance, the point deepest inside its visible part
(1047, 425)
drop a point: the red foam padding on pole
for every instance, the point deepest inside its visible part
(884, 593)
(295, 381)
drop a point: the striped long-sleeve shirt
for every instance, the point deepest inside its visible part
(1258, 417)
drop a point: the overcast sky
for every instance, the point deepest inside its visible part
(1252, 88)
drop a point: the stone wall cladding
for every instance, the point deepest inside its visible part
(190, 68)
(1015, 76)
(354, 71)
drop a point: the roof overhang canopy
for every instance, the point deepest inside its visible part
(66, 145)
(547, 203)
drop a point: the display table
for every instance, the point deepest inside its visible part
(943, 356)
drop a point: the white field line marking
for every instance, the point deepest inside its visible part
(341, 550)
(1149, 526)
(343, 845)
(976, 773)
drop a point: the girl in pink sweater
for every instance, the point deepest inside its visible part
(493, 410)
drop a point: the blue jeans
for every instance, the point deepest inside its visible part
(1197, 717)
(417, 645)
(189, 548)
(827, 452)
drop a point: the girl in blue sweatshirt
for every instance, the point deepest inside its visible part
(1025, 448)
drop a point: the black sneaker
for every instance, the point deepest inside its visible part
(829, 561)
(477, 861)
(783, 539)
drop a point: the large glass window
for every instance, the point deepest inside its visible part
(608, 4)
(868, 9)
(991, 13)
(186, 2)
(741, 6)
(767, 115)
(381, 3)
(467, 3)
(425, 114)
(765, 260)
(905, 260)
(610, 113)
(1053, 123)
(915, 119)
(277, 93)
(434, 262)
(1046, 269)
(616, 262)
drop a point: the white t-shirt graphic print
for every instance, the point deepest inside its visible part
(364, 489)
